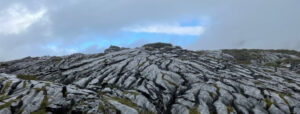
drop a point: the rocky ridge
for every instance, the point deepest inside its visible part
(156, 78)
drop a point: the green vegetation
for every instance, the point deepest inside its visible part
(24, 84)
(284, 51)
(257, 82)
(153, 46)
(111, 86)
(158, 45)
(267, 78)
(291, 61)
(270, 71)
(3, 65)
(229, 109)
(268, 102)
(47, 84)
(26, 77)
(80, 103)
(211, 94)
(132, 93)
(244, 56)
(281, 95)
(7, 104)
(41, 111)
(218, 89)
(6, 87)
(271, 64)
(194, 110)
(44, 103)
(3, 97)
(37, 90)
(101, 108)
(140, 65)
(56, 59)
(125, 102)
(200, 52)
(290, 81)
(170, 82)
(105, 61)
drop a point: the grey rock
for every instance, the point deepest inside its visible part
(156, 78)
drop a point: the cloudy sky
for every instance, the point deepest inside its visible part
(60, 27)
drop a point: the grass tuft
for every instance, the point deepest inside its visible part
(6, 87)
(170, 82)
(125, 102)
(281, 95)
(132, 93)
(268, 102)
(3, 97)
(44, 103)
(26, 77)
(229, 109)
(8, 104)
(194, 110)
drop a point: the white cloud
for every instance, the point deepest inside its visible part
(17, 18)
(168, 29)
(59, 51)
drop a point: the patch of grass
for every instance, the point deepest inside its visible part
(47, 84)
(270, 71)
(291, 61)
(281, 95)
(42, 111)
(244, 56)
(194, 110)
(44, 103)
(26, 77)
(158, 45)
(6, 87)
(211, 94)
(126, 102)
(200, 52)
(218, 88)
(146, 112)
(268, 102)
(80, 103)
(290, 81)
(8, 104)
(101, 107)
(105, 61)
(37, 90)
(111, 86)
(24, 84)
(132, 93)
(257, 82)
(270, 64)
(229, 109)
(284, 51)
(142, 64)
(3, 97)
(3, 65)
(20, 111)
(170, 82)
(267, 78)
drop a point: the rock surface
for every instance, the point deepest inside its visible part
(156, 78)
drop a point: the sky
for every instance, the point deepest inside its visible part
(62, 27)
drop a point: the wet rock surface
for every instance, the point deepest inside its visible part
(154, 79)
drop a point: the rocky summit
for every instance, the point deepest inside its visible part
(157, 78)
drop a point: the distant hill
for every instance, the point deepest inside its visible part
(157, 78)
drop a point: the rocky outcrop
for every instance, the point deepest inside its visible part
(156, 78)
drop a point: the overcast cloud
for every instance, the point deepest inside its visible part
(56, 27)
